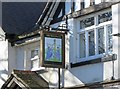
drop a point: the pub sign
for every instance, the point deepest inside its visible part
(52, 46)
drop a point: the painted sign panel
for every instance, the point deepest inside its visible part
(52, 49)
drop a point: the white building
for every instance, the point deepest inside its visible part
(15, 18)
(91, 45)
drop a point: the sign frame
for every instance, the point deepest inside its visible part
(50, 35)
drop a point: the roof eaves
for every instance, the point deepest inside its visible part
(20, 80)
(7, 82)
(49, 3)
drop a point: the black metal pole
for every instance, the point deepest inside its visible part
(59, 78)
(113, 70)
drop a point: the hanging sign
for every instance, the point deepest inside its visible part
(52, 49)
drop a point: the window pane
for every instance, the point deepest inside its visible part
(87, 3)
(34, 58)
(82, 46)
(34, 53)
(101, 46)
(86, 22)
(105, 17)
(91, 43)
(82, 4)
(97, 1)
(35, 63)
(110, 42)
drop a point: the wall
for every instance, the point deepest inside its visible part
(78, 75)
(23, 55)
(116, 39)
(82, 74)
(72, 76)
(103, 71)
(3, 58)
(3, 53)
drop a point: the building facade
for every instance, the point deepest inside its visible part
(91, 44)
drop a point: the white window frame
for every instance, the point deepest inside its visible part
(86, 30)
(35, 58)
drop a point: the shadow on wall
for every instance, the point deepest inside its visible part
(3, 71)
(84, 74)
(51, 75)
(3, 75)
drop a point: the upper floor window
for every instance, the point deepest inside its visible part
(35, 58)
(95, 36)
(104, 17)
(87, 22)
(82, 4)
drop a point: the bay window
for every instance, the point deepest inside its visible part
(95, 36)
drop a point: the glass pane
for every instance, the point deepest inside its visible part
(97, 1)
(82, 4)
(91, 43)
(82, 46)
(101, 46)
(34, 53)
(86, 22)
(35, 63)
(105, 17)
(87, 3)
(110, 40)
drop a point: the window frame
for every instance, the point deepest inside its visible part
(86, 30)
(37, 57)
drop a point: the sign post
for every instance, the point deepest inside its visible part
(59, 78)
(53, 50)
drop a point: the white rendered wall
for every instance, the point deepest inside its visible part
(78, 75)
(3, 58)
(20, 58)
(116, 39)
(83, 74)
(12, 58)
(93, 72)
(3, 53)
(24, 55)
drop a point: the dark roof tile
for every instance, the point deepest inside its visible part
(28, 78)
(20, 17)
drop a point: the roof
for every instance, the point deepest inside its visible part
(28, 79)
(20, 17)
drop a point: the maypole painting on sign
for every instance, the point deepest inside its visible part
(52, 49)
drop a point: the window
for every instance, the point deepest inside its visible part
(82, 45)
(97, 1)
(82, 4)
(34, 58)
(95, 36)
(101, 43)
(92, 2)
(104, 17)
(110, 46)
(91, 43)
(86, 22)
